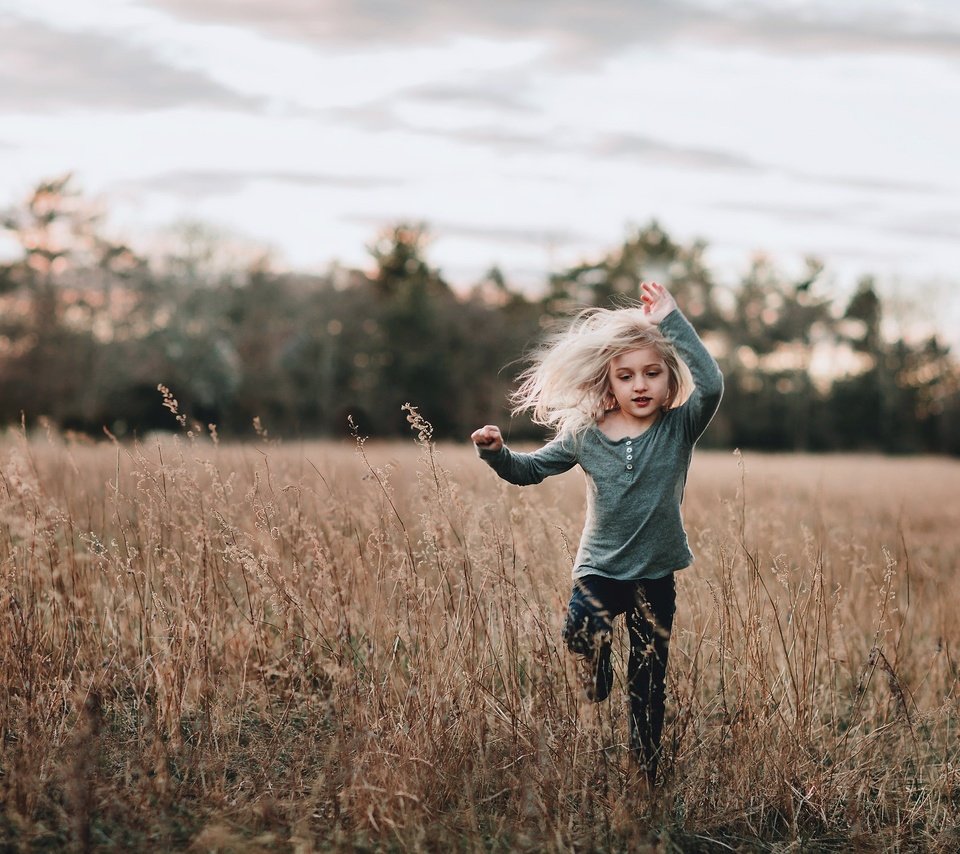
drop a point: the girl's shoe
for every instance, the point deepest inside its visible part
(596, 674)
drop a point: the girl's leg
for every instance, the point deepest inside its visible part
(588, 630)
(649, 624)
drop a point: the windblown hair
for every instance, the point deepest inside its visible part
(567, 386)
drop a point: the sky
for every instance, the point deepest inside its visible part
(531, 134)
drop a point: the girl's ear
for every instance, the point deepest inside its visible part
(608, 403)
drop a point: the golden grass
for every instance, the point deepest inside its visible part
(301, 647)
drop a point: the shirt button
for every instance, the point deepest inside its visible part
(629, 467)
(629, 442)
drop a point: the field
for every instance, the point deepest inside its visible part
(286, 647)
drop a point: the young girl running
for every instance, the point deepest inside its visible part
(614, 390)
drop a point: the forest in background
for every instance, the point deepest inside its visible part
(89, 329)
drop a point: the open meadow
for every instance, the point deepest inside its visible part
(297, 647)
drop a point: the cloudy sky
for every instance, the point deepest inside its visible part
(527, 133)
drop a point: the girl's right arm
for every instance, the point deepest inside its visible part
(555, 457)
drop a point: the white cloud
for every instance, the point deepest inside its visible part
(629, 145)
(193, 183)
(594, 30)
(49, 70)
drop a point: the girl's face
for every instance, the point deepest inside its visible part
(640, 384)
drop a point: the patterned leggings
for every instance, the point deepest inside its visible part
(649, 607)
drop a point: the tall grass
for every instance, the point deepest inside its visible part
(321, 646)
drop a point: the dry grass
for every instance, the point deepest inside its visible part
(286, 647)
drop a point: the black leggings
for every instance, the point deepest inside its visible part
(649, 606)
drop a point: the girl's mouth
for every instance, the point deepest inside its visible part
(641, 401)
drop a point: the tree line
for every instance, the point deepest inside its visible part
(90, 328)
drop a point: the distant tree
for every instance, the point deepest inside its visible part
(63, 277)
(771, 332)
(88, 329)
(865, 310)
(904, 398)
(646, 253)
(498, 327)
(330, 359)
(416, 343)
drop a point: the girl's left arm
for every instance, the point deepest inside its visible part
(702, 404)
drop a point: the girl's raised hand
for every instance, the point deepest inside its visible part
(488, 437)
(657, 302)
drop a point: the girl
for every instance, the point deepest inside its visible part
(614, 389)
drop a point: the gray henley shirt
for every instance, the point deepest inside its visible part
(633, 528)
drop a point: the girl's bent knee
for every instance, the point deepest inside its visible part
(583, 639)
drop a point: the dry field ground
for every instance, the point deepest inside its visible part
(305, 647)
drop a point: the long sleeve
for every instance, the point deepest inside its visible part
(555, 457)
(702, 404)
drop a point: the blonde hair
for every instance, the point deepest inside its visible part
(567, 385)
